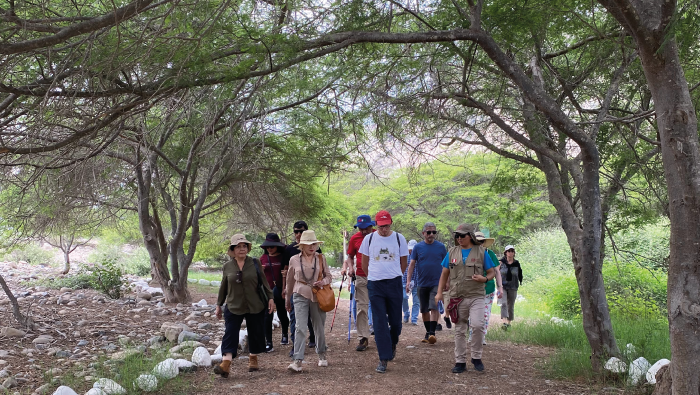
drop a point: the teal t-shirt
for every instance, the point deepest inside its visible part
(491, 284)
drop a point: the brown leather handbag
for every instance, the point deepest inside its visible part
(324, 296)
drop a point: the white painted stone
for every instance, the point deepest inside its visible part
(166, 370)
(615, 365)
(201, 357)
(215, 283)
(63, 390)
(637, 370)
(95, 391)
(147, 382)
(651, 373)
(110, 387)
(204, 282)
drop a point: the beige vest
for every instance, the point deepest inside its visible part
(461, 283)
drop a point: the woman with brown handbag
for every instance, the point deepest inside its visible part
(307, 271)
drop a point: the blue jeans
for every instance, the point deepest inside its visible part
(413, 310)
(386, 298)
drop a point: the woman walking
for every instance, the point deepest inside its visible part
(490, 287)
(307, 270)
(239, 299)
(271, 261)
(512, 278)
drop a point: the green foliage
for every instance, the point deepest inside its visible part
(107, 277)
(31, 253)
(130, 259)
(78, 279)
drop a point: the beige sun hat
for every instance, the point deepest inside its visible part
(309, 237)
(485, 241)
(239, 238)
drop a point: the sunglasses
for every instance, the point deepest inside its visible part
(431, 232)
(239, 277)
(297, 231)
(510, 250)
(461, 235)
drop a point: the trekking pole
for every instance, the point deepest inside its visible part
(337, 302)
(352, 300)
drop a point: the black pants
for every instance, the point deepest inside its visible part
(255, 325)
(281, 314)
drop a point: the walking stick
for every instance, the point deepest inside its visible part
(337, 302)
(352, 302)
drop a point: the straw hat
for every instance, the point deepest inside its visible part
(309, 237)
(239, 238)
(483, 240)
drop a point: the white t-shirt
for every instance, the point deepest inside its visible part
(384, 255)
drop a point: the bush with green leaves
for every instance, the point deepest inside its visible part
(30, 253)
(107, 277)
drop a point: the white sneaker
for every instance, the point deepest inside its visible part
(323, 363)
(295, 366)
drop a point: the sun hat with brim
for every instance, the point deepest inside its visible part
(509, 247)
(239, 238)
(412, 244)
(464, 229)
(485, 241)
(309, 237)
(364, 221)
(272, 240)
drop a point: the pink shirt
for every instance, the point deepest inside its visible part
(296, 281)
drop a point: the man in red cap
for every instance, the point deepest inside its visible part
(384, 259)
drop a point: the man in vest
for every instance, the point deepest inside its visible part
(384, 258)
(463, 268)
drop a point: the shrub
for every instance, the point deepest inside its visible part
(106, 277)
(31, 253)
(79, 279)
(137, 262)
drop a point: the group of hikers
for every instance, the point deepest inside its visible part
(385, 269)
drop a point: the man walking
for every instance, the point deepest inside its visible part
(384, 256)
(290, 251)
(365, 226)
(410, 288)
(464, 266)
(427, 258)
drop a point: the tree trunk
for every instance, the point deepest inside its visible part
(23, 320)
(66, 258)
(678, 129)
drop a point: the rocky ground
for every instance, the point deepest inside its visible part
(80, 332)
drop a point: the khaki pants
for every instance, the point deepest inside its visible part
(362, 300)
(305, 308)
(469, 308)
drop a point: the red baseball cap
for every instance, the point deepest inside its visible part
(383, 218)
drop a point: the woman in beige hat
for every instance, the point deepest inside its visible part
(303, 274)
(239, 293)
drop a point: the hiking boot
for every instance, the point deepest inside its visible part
(363, 344)
(460, 367)
(425, 340)
(448, 323)
(253, 363)
(223, 368)
(269, 348)
(322, 361)
(285, 340)
(381, 368)
(478, 365)
(438, 327)
(432, 339)
(393, 352)
(504, 326)
(295, 366)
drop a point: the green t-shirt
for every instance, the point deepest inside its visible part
(490, 286)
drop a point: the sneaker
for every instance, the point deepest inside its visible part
(381, 368)
(291, 353)
(414, 323)
(439, 327)
(504, 326)
(295, 366)
(425, 340)
(371, 331)
(448, 323)
(459, 368)
(432, 339)
(312, 343)
(269, 348)
(484, 342)
(405, 320)
(393, 352)
(285, 340)
(478, 365)
(322, 361)
(363, 344)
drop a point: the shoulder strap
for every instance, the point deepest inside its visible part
(256, 263)
(369, 243)
(398, 241)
